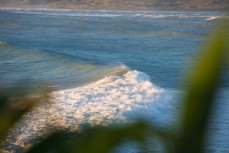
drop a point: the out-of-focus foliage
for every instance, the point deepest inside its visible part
(14, 102)
(98, 140)
(2, 43)
(202, 86)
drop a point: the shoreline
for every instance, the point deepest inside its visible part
(29, 8)
(145, 9)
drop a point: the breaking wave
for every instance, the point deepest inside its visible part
(113, 99)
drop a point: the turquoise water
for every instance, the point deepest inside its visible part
(134, 58)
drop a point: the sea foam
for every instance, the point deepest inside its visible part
(110, 100)
(114, 99)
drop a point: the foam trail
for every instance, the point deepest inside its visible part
(114, 99)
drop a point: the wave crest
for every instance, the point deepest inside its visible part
(112, 99)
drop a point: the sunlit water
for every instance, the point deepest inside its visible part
(106, 67)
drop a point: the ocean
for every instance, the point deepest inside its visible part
(105, 67)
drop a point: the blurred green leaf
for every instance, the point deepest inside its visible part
(200, 94)
(8, 115)
(14, 102)
(103, 140)
(55, 143)
(97, 139)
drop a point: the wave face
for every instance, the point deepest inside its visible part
(53, 70)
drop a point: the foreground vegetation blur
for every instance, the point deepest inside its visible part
(201, 88)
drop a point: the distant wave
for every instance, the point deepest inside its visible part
(84, 14)
(212, 18)
(113, 13)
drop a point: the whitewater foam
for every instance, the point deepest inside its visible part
(114, 99)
